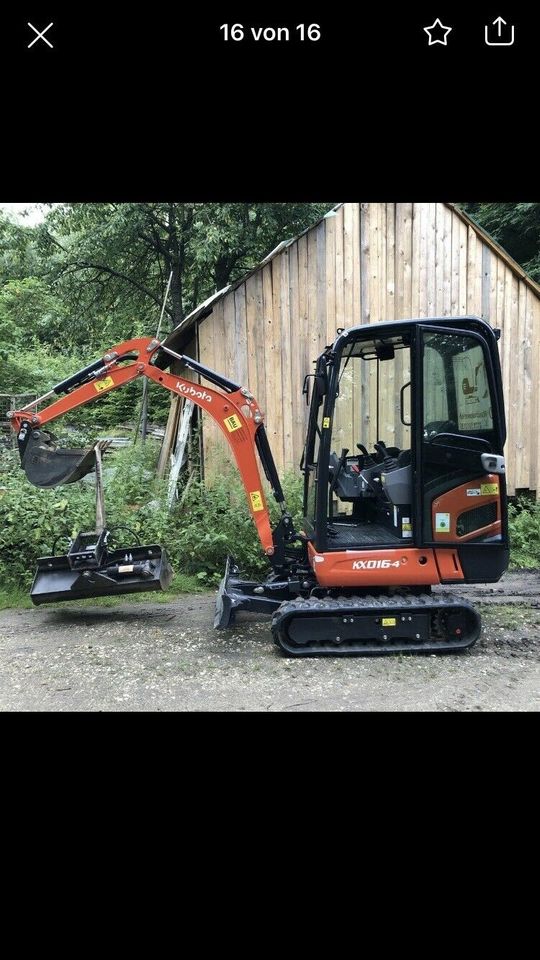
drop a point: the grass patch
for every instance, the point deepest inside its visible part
(509, 616)
(181, 585)
(14, 597)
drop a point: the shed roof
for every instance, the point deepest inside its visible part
(205, 309)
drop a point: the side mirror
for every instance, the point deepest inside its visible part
(384, 351)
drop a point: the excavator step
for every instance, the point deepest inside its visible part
(348, 626)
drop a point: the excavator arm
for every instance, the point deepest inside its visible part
(231, 406)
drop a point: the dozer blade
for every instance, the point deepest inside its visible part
(251, 596)
(48, 465)
(128, 570)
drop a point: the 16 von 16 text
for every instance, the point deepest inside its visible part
(239, 32)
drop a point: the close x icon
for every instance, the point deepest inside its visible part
(40, 34)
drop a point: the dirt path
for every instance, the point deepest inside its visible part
(154, 657)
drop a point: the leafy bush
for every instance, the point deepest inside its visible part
(206, 524)
(34, 367)
(214, 521)
(524, 526)
(32, 518)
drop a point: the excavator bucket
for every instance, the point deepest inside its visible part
(90, 570)
(48, 465)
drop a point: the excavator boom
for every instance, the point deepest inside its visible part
(231, 406)
(91, 567)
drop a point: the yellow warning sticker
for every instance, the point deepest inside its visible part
(232, 423)
(389, 621)
(256, 500)
(103, 384)
(326, 423)
(488, 488)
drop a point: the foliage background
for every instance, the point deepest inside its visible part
(91, 275)
(516, 226)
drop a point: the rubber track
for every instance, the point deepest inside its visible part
(436, 605)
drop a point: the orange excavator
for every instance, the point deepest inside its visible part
(404, 488)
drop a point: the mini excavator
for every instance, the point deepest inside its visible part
(404, 488)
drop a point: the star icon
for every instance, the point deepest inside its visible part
(437, 32)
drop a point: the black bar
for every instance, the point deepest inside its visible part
(377, 418)
(402, 404)
(163, 362)
(268, 463)
(78, 377)
(417, 434)
(323, 456)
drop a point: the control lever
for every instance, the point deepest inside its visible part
(389, 462)
(337, 471)
(368, 460)
(339, 468)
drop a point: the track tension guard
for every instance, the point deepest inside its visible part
(90, 568)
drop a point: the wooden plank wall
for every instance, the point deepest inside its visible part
(367, 263)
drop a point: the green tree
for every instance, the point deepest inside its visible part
(19, 254)
(516, 226)
(116, 258)
(94, 274)
(32, 320)
(30, 310)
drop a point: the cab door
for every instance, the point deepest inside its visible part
(462, 489)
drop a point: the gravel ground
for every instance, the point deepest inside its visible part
(167, 657)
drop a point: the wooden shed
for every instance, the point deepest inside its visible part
(366, 263)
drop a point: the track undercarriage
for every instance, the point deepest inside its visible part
(375, 624)
(380, 623)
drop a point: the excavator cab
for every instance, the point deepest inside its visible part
(405, 448)
(404, 490)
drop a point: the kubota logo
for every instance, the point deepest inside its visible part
(191, 392)
(374, 564)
